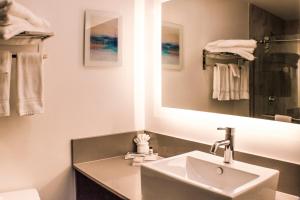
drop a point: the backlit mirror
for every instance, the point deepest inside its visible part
(237, 57)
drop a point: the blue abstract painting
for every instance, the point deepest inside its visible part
(171, 46)
(104, 41)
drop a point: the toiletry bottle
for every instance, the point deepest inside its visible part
(150, 151)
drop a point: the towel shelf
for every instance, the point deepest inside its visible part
(34, 35)
(27, 38)
(219, 56)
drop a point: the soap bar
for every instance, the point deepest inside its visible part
(132, 155)
(138, 159)
(151, 157)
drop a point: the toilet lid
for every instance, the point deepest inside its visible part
(30, 194)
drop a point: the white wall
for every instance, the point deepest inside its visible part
(80, 102)
(191, 87)
(266, 138)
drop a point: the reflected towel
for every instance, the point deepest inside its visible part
(244, 87)
(5, 69)
(235, 81)
(29, 83)
(221, 82)
(233, 43)
(283, 118)
(216, 83)
(14, 8)
(244, 53)
(243, 48)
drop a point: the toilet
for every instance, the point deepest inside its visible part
(29, 194)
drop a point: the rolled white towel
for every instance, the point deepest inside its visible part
(233, 43)
(8, 20)
(14, 8)
(283, 118)
(18, 26)
(4, 3)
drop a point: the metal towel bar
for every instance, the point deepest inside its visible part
(45, 56)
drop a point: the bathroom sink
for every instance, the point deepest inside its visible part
(198, 175)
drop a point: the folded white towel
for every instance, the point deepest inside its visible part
(30, 83)
(235, 81)
(283, 118)
(244, 87)
(18, 10)
(18, 26)
(5, 68)
(244, 53)
(7, 20)
(233, 44)
(221, 82)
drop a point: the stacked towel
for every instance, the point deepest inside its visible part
(15, 19)
(5, 68)
(243, 48)
(30, 83)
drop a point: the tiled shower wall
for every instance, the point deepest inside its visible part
(263, 23)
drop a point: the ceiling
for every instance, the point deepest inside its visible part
(285, 9)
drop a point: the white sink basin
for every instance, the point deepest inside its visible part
(198, 175)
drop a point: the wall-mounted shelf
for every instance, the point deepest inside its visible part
(29, 39)
(34, 35)
(219, 56)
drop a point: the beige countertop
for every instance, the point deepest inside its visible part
(120, 177)
(115, 174)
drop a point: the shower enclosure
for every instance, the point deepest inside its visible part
(275, 73)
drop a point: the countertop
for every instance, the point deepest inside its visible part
(120, 177)
(115, 174)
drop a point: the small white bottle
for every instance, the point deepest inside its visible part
(150, 151)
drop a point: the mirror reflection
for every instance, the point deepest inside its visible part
(237, 57)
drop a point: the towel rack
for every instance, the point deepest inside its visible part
(30, 35)
(206, 54)
(34, 35)
(45, 56)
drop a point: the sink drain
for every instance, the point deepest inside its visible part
(220, 170)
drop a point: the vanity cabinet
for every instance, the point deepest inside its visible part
(87, 189)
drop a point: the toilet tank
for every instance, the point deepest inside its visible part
(29, 194)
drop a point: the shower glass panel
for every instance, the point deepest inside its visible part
(275, 72)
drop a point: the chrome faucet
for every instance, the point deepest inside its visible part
(228, 143)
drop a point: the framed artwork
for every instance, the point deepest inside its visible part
(102, 39)
(172, 46)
